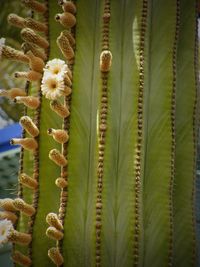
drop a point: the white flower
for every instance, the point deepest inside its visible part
(52, 86)
(5, 228)
(56, 67)
(2, 43)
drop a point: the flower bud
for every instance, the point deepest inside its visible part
(61, 110)
(29, 101)
(67, 19)
(53, 233)
(61, 182)
(65, 47)
(21, 259)
(27, 143)
(29, 126)
(52, 220)
(59, 136)
(32, 76)
(28, 181)
(15, 20)
(7, 204)
(67, 6)
(105, 61)
(57, 157)
(35, 63)
(35, 6)
(35, 50)
(13, 54)
(19, 238)
(12, 93)
(22, 206)
(55, 256)
(35, 25)
(30, 36)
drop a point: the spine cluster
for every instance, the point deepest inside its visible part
(105, 65)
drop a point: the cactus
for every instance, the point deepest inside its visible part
(108, 158)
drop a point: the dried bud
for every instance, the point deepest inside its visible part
(60, 136)
(27, 143)
(8, 215)
(12, 93)
(35, 25)
(13, 54)
(36, 63)
(105, 61)
(55, 256)
(7, 204)
(67, 6)
(29, 101)
(30, 36)
(53, 233)
(67, 19)
(29, 126)
(69, 37)
(67, 91)
(59, 109)
(15, 20)
(22, 206)
(19, 238)
(65, 47)
(35, 50)
(61, 182)
(57, 157)
(52, 220)
(31, 75)
(35, 6)
(21, 259)
(28, 181)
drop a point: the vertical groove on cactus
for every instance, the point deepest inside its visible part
(105, 64)
(159, 139)
(137, 233)
(186, 138)
(173, 109)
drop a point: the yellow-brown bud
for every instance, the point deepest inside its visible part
(55, 256)
(8, 215)
(35, 63)
(15, 20)
(61, 182)
(61, 110)
(13, 54)
(29, 101)
(52, 220)
(22, 206)
(53, 233)
(67, 6)
(21, 259)
(35, 6)
(28, 181)
(27, 143)
(35, 25)
(65, 47)
(31, 75)
(67, 91)
(7, 204)
(67, 19)
(57, 157)
(12, 93)
(29, 126)
(35, 50)
(69, 37)
(19, 238)
(105, 61)
(30, 36)
(59, 136)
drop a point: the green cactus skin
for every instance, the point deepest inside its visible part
(140, 169)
